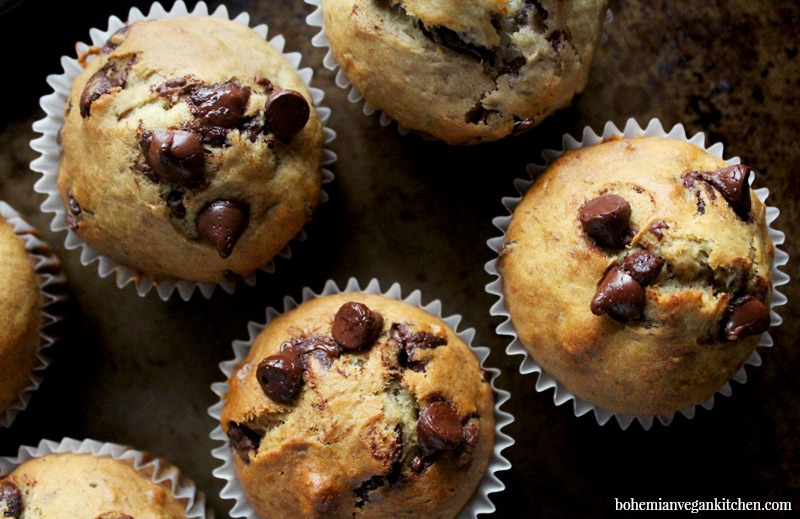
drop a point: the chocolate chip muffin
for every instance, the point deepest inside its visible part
(191, 149)
(83, 485)
(359, 405)
(465, 74)
(637, 273)
(21, 315)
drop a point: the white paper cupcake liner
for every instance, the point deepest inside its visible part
(47, 146)
(490, 483)
(320, 40)
(157, 470)
(528, 365)
(51, 285)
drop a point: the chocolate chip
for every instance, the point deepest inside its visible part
(747, 315)
(74, 212)
(355, 326)
(100, 83)
(115, 40)
(643, 266)
(11, 497)
(220, 105)
(410, 345)
(449, 38)
(176, 87)
(658, 227)
(174, 155)
(606, 219)
(732, 183)
(438, 428)
(281, 375)
(222, 223)
(243, 440)
(174, 201)
(619, 295)
(286, 113)
(324, 349)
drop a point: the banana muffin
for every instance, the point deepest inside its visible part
(191, 149)
(359, 405)
(465, 74)
(637, 273)
(84, 485)
(21, 316)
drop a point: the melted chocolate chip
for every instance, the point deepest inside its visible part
(606, 219)
(732, 183)
(11, 497)
(176, 87)
(174, 155)
(449, 38)
(643, 266)
(115, 40)
(619, 295)
(658, 227)
(747, 315)
(243, 440)
(286, 113)
(281, 375)
(324, 349)
(222, 223)
(438, 428)
(355, 326)
(73, 212)
(410, 345)
(220, 105)
(100, 83)
(174, 201)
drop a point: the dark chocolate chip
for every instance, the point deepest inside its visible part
(355, 326)
(732, 183)
(174, 155)
(449, 38)
(175, 204)
(100, 83)
(11, 497)
(222, 223)
(324, 349)
(176, 87)
(438, 428)
(286, 113)
(658, 227)
(115, 40)
(747, 315)
(643, 266)
(606, 219)
(619, 295)
(73, 212)
(410, 345)
(220, 105)
(281, 375)
(243, 440)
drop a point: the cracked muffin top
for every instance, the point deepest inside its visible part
(84, 485)
(465, 73)
(20, 316)
(637, 273)
(356, 405)
(191, 149)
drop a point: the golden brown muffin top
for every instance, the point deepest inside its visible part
(389, 413)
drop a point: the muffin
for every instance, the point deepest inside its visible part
(465, 75)
(68, 484)
(191, 149)
(637, 273)
(358, 404)
(29, 274)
